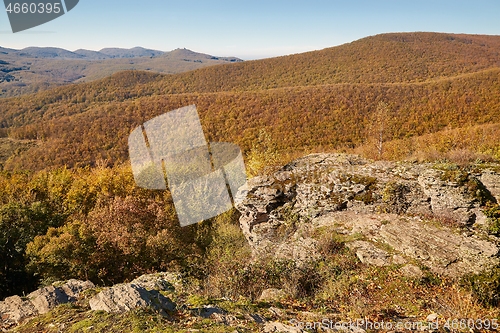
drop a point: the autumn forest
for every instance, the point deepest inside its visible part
(66, 179)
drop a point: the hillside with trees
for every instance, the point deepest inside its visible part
(316, 101)
(69, 207)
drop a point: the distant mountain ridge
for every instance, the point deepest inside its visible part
(191, 55)
(45, 52)
(106, 53)
(130, 53)
(37, 68)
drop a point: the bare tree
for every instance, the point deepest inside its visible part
(379, 128)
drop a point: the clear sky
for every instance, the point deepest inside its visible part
(249, 29)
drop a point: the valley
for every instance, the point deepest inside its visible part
(35, 68)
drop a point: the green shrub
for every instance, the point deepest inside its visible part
(394, 197)
(478, 191)
(366, 197)
(485, 286)
(456, 175)
(297, 280)
(117, 241)
(233, 272)
(493, 223)
(226, 257)
(19, 225)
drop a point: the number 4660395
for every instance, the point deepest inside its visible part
(34, 8)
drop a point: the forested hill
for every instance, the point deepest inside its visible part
(387, 58)
(317, 100)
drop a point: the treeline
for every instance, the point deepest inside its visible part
(73, 99)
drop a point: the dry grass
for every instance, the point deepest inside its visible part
(461, 146)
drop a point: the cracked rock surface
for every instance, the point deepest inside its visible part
(389, 211)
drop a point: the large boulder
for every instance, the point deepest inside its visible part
(163, 281)
(442, 249)
(126, 297)
(15, 309)
(73, 288)
(388, 203)
(47, 298)
(272, 295)
(491, 179)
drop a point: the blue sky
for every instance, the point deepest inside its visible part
(249, 29)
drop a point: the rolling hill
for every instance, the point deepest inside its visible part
(38, 68)
(432, 83)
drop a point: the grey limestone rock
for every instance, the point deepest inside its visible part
(15, 309)
(163, 281)
(125, 297)
(389, 204)
(272, 294)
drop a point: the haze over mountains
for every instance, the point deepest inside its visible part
(37, 68)
(442, 92)
(106, 53)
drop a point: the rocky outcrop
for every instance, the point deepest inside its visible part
(390, 238)
(163, 281)
(144, 291)
(125, 297)
(368, 253)
(491, 180)
(385, 208)
(15, 309)
(272, 295)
